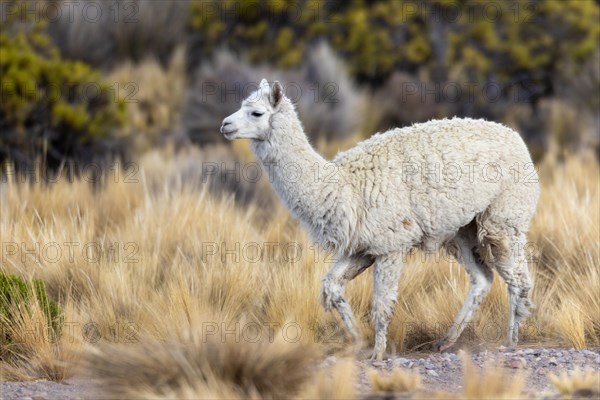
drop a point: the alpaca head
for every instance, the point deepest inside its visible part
(251, 121)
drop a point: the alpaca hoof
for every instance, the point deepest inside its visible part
(376, 356)
(326, 300)
(325, 303)
(441, 345)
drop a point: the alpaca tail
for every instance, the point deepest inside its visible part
(493, 244)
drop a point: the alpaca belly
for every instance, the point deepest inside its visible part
(384, 232)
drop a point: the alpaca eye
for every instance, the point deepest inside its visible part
(256, 114)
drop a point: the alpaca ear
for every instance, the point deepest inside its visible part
(276, 94)
(264, 86)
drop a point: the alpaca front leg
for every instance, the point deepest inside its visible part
(385, 294)
(332, 293)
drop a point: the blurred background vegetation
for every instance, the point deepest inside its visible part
(95, 80)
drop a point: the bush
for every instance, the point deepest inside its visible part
(155, 116)
(511, 40)
(368, 35)
(398, 107)
(512, 49)
(18, 295)
(123, 30)
(331, 106)
(54, 109)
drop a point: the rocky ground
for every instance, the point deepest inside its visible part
(438, 372)
(444, 371)
(70, 389)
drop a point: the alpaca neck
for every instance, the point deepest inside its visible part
(296, 171)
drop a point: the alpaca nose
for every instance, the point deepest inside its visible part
(225, 123)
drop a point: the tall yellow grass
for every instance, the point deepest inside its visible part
(147, 257)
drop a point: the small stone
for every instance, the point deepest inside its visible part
(411, 364)
(517, 363)
(432, 373)
(330, 360)
(378, 364)
(552, 361)
(401, 361)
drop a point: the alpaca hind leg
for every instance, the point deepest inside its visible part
(385, 294)
(512, 267)
(332, 293)
(480, 279)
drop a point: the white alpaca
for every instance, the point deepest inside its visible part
(461, 184)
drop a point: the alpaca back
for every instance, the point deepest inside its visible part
(421, 183)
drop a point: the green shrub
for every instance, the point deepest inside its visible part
(19, 294)
(503, 43)
(51, 109)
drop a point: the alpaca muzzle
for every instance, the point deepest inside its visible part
(227, 129)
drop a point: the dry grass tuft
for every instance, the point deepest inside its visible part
(565, 250)
(585, 384)
(493, 383)
(395, 381)
(196, 366)
(335, 382)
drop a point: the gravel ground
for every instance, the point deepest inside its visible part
(438, 372)
(444, 371)
(71, 389)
